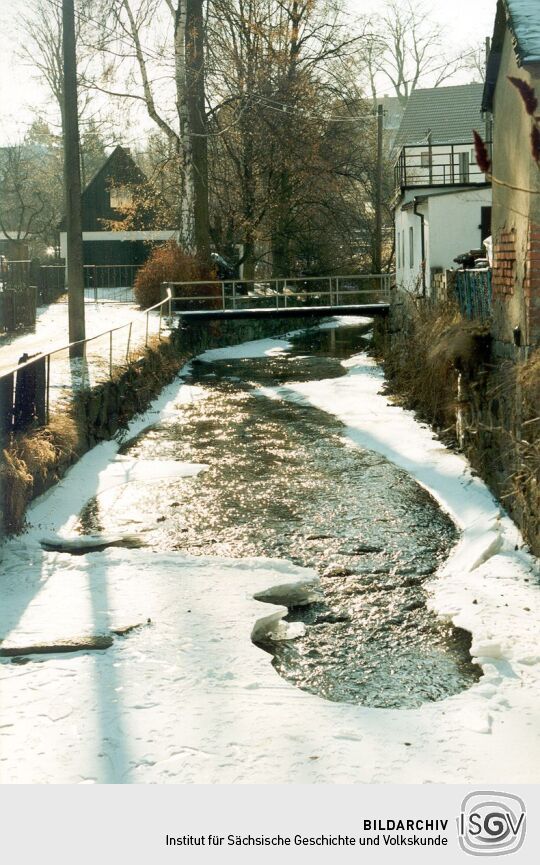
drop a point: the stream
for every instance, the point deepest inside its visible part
(284, 482)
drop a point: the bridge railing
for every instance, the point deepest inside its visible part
(29, 389)
(280, 293)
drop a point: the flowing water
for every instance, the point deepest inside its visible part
(284, 482)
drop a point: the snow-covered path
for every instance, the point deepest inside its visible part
(51, 330)
(189, 698)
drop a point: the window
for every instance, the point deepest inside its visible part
(411, 247)
(121, 197)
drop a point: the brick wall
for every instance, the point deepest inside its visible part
(516, 281)
(504, 264)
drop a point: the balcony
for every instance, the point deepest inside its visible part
(422, 165)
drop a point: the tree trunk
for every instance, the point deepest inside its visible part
(197, 120)
(189, 57)
(72, 183)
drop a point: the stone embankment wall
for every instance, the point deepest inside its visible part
(32, 462)
(450, 372)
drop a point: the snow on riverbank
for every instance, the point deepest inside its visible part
(189, 698)
(51, 331)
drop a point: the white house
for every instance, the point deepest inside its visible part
(443, 200)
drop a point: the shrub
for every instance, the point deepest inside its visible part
(169, 263)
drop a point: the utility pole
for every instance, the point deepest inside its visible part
(377, 247)
(72, 182)
(488, 130)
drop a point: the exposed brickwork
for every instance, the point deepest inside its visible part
(504, 264)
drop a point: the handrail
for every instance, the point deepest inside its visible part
(284, 279)
(70, 345)
(281, 291)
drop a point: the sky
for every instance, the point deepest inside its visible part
(467, 21)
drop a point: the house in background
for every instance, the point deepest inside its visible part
(113, 192)
(443, 200)
(515, 51)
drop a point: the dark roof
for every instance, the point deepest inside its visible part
(120, 167)
(522, 19)
(450, 113)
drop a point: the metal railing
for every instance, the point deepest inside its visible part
(279, 293)
(112, 282)
(15, 274)
(28, 390)
(437, 165)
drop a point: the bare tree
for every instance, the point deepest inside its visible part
(30, 203)
(407, 46)
(41, 47)
(150, 65)
(275, 69)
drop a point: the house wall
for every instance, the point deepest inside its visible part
(516, 212)
(117, 247)
(454, 222)
(452, 226)
(408, 277)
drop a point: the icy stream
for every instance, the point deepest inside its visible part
(282, 482)
(187, 697)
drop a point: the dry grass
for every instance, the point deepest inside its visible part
(425, 359)
(529, 379)
(499, 402)
(31, 462)
(526, 482)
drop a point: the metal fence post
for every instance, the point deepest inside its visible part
(84, 365)
(48, 386)
(128, 341)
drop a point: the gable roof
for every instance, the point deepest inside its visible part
(450, 113)
(119, 167)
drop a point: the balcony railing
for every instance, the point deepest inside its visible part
(437, 165)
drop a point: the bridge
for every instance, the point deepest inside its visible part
(318, 296)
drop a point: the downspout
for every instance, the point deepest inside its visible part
(422, 243)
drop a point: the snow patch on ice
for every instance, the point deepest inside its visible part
(256, 348)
